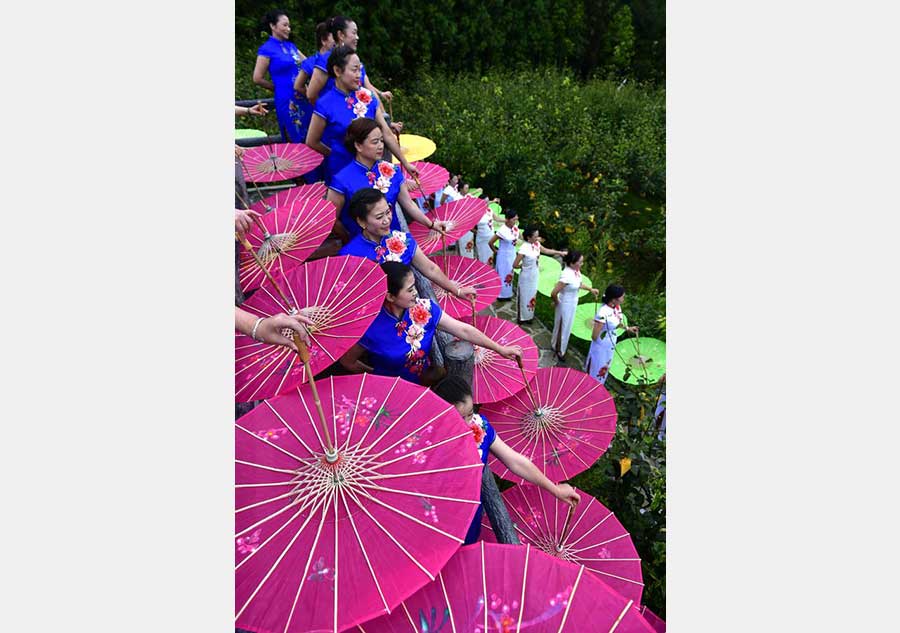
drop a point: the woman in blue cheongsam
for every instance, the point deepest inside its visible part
(365, 141)
(456, 391)
(399, 340)
(378, 242)
(336, 109)
(280, 58)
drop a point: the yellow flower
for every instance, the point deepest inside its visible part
(627, 253)
(591, 217)
(556, 212)
(610, 245)
(531, 195)
(624, 465)
(596, 179)
(569, 229)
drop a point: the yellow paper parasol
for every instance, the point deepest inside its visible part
(415, 147)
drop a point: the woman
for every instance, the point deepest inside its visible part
(603, 336)
(505, 254)
(528, 259)
(324, 43)
(281, 59)
(344, 33)
(484, 231)
(450, 192)
(399, 339)
(378, 242)
(338, 107)
(365, 141)
(457, 392)
(565, 297)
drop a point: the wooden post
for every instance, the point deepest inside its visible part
(459, 359)
(496, 510)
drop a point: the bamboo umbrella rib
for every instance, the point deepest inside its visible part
(365, 451)
(606, 542)
(623, 579)
(300, 511)
(563, 437)
(337, 567)
(267, 442)
(356, 404)
(300, 498)
(289, 427)
(447, 601)
(431, 420)
(278, 560)
(263, 502)
(365, 554)
(422, 495)
(570, 600)
(621, 615)
(426, 472)
(266, 485)
(588, 531)
(263, 467)
(391, 536)
(611, 560)
(524, 522)
(313, 418)
(484, 588)
(524, 583)
(373, 499)
(425, 448)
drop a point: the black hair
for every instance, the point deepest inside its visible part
(337, 24)
(362, 201)
(528, 232)
(572, 257)
(357, 132)
(397, 273)
(613, 291)
(271, 18)
(322, 31)
(338, 58)
(453, 389)
(510, 213)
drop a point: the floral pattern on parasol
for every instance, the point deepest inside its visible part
(495, 377)
(323, 546)
(493, 588)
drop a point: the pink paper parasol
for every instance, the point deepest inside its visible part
(287, 196)
(323, 546)
(295, 232)
(592, 536)
(487, 588)
(569, 429)
(461, 215)
(466, 272)
(432, 177)
(496, 377)
(342, 295)
(281, 161)
(658, 624)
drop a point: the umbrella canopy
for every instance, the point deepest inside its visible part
(281, 161)
(592, 537)
(488, 587)
(248, 133)
(342, 295)
(583, 326)
(476, 192)
(658, 624)
(432, 177)
(460, 215)
(466, 272)
(287, 196)
(323, 546)
(570, 427)
(415, 147)
(294, 232)
(639, 361)
(496, 377)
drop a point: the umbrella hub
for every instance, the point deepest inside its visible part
(274, 245)
(275, 163)
(543, 420)
(484, 356)
(321, 316)
(552, 546)
(640, 361)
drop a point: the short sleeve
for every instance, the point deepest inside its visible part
(265, 50)
(436, 312)
(411, 247)
(567, 276)
(322, 61)
(489, 433)
(339, 185)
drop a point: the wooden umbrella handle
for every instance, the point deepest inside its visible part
(303, 353)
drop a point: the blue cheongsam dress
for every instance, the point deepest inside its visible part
(383, 176)
(400, 347)
(339, 109)
(484, 436)
(284, 64)
(396, 246)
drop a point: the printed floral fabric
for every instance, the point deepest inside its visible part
(400, 347)
(397, 246)
(355, 176)
(484, 435)
(359, 102)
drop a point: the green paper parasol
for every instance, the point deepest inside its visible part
(584, 322)
(476, 192)
(249, 133)
(644, 369)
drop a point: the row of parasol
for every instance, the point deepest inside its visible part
(365, 511)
